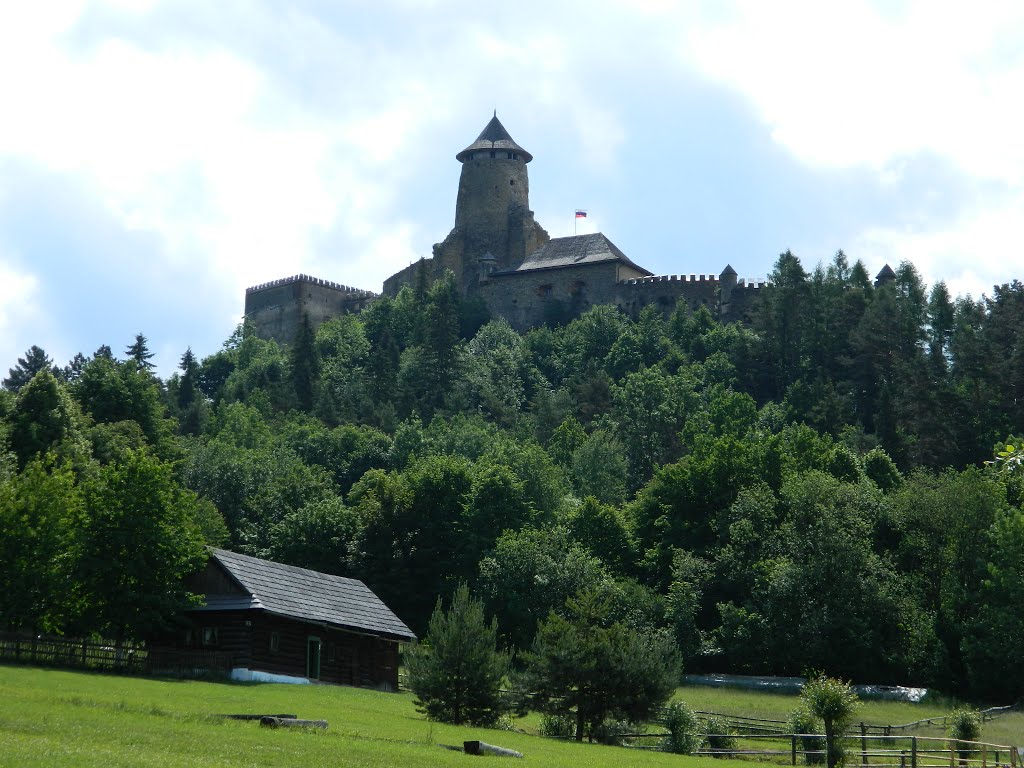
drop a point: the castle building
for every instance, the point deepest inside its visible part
(501, 254)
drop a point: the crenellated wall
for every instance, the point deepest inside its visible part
(275, 309)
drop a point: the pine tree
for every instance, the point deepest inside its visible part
(34, 361)
(187, 385)
(457, 672)
(140, 354)
(304, 364)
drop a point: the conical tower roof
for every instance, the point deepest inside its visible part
(494, 136)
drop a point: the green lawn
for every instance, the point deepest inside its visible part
(56, 718)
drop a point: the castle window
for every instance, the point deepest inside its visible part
(511, 182)
(543, 291)
(493, 154)
(509, 155)
(515, 155)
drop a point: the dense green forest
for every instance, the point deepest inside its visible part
(820, 490)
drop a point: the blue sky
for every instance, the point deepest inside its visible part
(158, 157)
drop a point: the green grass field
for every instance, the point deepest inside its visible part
(56, 718)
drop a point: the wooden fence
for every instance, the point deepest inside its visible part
(106, 656)
(755, 725)
(874, 751)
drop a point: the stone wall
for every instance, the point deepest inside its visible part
(407, 276)
(275, 309)
(529, 299)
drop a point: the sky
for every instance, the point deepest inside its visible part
(158, 157)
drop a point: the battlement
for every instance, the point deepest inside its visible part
(707, 279)
(356, 293)
(670, 279)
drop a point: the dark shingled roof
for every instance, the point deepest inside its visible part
(494, 136)
(572, 252)
(298, 593)
(886, 273)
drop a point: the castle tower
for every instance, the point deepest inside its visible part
(492, 209)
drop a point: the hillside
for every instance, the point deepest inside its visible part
(834, 486)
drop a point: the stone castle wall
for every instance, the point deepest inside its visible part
(275, 309)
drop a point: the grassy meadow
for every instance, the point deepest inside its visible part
(57, 718)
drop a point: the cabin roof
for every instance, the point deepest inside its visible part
(299, 593)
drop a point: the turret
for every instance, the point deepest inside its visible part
(726, 283)
(494, 196)
(885, 276)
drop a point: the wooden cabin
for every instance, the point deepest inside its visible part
(286, 624)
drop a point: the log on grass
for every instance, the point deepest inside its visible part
(257, 717)
(291, 722)
(481, 748)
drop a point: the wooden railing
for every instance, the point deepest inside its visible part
(107, 656)
(875, 751)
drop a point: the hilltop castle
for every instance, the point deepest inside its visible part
(499, 253)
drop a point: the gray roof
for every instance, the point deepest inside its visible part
(886, 273)
(298, 593)
(494, 136)
(572, 252)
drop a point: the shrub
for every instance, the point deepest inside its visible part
(963, 725)
(834, 702)
(719, 734)
(802, 721)
(683, 734)
(557, 726)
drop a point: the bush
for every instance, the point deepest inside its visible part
(610, 732)
(834, 702)
(557, 726)
(963, 725)
(801, 720)
(683, 736)
(719, 734)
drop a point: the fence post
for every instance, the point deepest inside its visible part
(984, 751)
(913, 752)
(903, 758)
(793, 737)
(863, 744)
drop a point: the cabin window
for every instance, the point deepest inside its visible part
(187, 638)
(332, 652)
(210, 637)
(275, 642)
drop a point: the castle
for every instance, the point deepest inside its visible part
(501, 254)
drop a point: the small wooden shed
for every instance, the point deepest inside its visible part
(281, 623)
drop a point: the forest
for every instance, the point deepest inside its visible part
(834, 487)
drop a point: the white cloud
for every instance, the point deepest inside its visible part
(19, 309)
(848, 84)
(970, 253)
